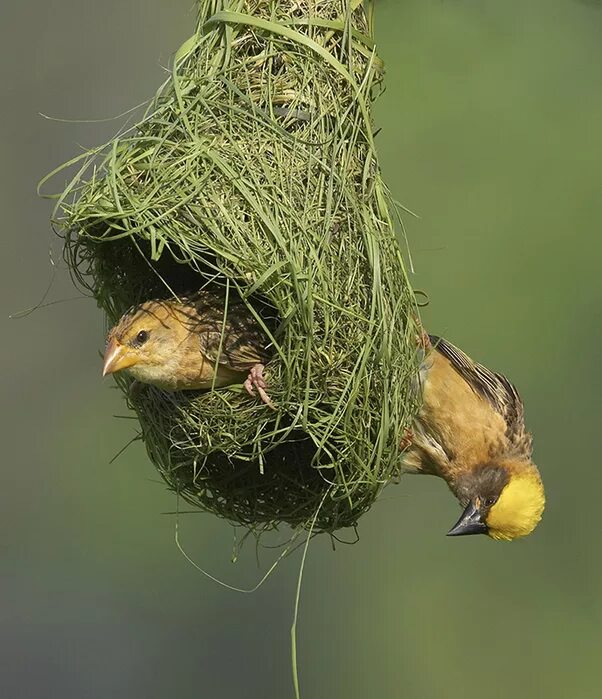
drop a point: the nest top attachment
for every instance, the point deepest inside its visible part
(254, 171)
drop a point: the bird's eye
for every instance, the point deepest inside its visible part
(141, 337)
(490, 501)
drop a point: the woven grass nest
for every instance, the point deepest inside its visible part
(254, 169)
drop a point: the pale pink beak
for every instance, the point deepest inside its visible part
(117, 357)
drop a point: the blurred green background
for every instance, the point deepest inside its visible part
(491, 133)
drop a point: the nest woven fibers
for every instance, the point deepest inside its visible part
(254, 170)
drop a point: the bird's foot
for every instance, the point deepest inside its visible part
(406, 440)
(255, 380)
(423, 340)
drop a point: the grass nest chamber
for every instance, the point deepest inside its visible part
(253, 171)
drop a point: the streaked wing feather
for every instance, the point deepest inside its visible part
(494, 387)
(243, 343)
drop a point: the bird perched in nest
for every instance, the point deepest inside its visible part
(471, 432)
(182, 344)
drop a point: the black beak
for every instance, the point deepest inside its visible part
(469, 523)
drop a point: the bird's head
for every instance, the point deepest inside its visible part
(143, 341)
(504, 500)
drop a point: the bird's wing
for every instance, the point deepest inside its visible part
(493, 387)
(239, 343)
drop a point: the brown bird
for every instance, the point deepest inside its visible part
(471, 432)
(182, 344)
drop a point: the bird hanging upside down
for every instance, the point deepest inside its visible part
(471, 432)
(185, 344)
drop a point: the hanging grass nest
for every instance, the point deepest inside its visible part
(254, 170)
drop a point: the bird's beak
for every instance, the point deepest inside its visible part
(469, 523)
(117, 357)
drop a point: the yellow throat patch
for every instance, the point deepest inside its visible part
(518, 509)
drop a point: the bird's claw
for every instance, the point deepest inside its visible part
(423, 340)
(406, 440)
(255, 380)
